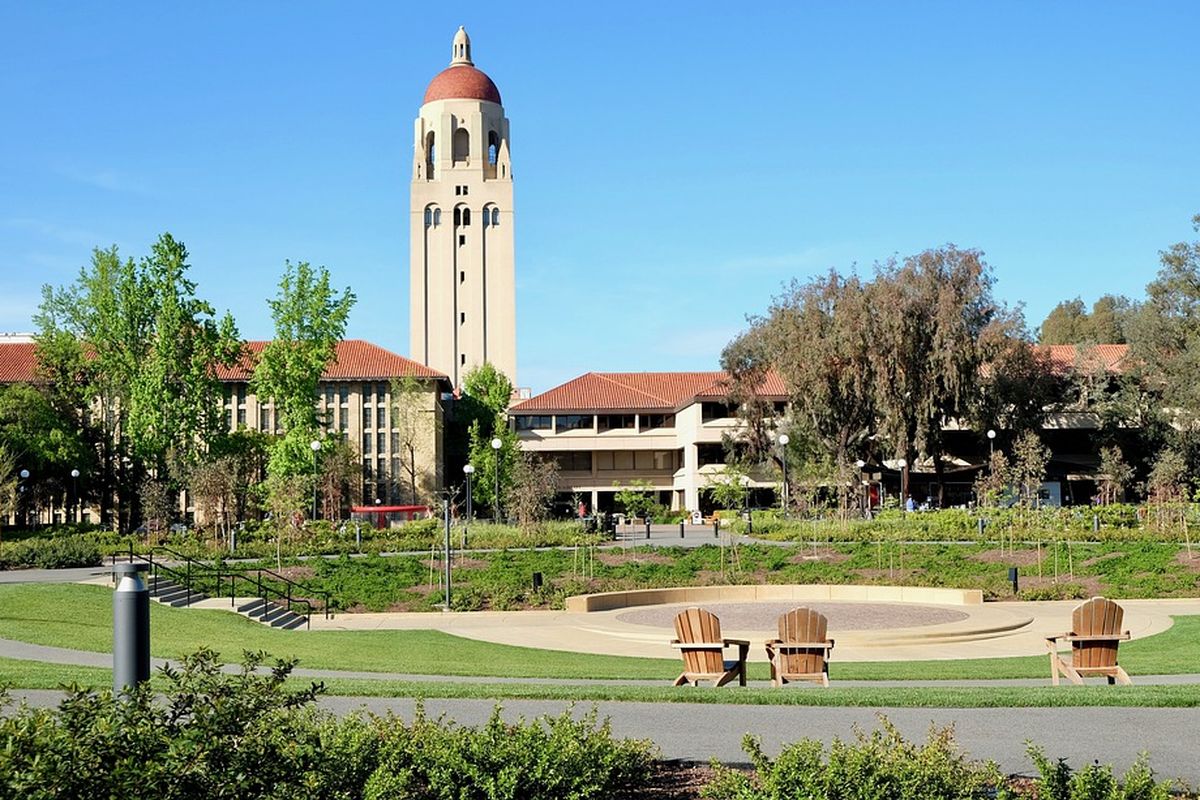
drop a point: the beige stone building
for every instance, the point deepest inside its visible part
(355, 400)
(610, 428)
(462, 297)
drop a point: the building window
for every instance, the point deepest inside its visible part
(643, 460)
(380, 442)
(381, 416)
(462, 240)
(710, 454)
(462, 317)
(367, 439)
(712, 411)
(369, 468)
(264, 419)
(344, 419)
(462, 359)
(395, 444)
(495, 217)
(573, 461)
(664, 460)
(534, 422)
(344, 391)
(615, 422)
(652, 422)
(573, 422)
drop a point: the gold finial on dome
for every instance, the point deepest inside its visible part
(462, 49)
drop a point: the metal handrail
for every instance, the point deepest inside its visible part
(185, 577)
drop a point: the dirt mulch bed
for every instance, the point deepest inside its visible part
(1091, 585)
(296, 573)
(611, 559)
(822, 555)
(1099, 559)
(888, 574)
(1018, 558)
(671, 780)
(1192, 563)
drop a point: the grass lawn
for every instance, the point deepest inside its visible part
(80, 617)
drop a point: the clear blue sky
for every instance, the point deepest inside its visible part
(675, 163)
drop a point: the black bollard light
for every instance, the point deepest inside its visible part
(647, 529)
(537, 581)
(680, 529)
(1012, 576)
(131, 628)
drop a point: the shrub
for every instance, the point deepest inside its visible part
(881, 765)
(1056, 781)
(59, 552)
(213, 735)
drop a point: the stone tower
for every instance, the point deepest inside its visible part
(463, 296)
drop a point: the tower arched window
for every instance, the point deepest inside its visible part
(428, 216)
(495, 214)
(430, 154)
(493, 147)
(466, 219)
(462, 145)
(437, 217)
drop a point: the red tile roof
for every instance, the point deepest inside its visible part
(356, 360)
(18, 362)
(1087, 358)
(636, 391)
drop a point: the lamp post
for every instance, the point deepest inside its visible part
(903, 482)
(315, 446)
(991, 434)
(496, 445)
(20, 500)
(468, 470)
(75, 491)
(783, 440)
(863, 502)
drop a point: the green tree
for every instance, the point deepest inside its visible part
(637, 499)
(746, 360)
(818, 337)
(993, 482)
(490, 462)
(8, 482)
(930, 314)
(45, 442)
(1165, 332)
(132, 337)
(534, 485)
(1109, 318)
(729, 488)
(1067, 323)
(1029, 461)
(1115, 475)
(340, 476)
(310, 319)
(414, 423)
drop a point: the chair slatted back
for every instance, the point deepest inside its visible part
(698, 625)
(1096, 617)
(802, 625)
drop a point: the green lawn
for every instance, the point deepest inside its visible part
(80, 617)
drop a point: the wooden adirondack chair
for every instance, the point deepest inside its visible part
(1094, 636)
(801, 653)
(699, 640)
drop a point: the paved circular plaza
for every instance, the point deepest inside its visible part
(763, 616)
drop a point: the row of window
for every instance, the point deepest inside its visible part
(462, 217)
(612, 460)
(602, 422)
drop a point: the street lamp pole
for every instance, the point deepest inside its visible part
(863, 501)
(991, 434)
(783, 441)
(21, 510)
(468, 470)
(315, 446)
(496, 445)
(903, 482)
(75, 511)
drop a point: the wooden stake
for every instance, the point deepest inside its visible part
(1070, 560)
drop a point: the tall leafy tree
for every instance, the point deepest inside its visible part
(929, 315)
(818, 336)
(310, 319)
(1067, 323)
(133, 338)
(747, 362)
(414, 425)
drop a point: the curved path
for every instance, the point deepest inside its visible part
(698, 732)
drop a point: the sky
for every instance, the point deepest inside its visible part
(675, 164)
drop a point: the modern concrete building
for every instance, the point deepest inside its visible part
(608, 429)
(462, 297)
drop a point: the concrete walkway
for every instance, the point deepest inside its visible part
(699, 732)
(991, 630)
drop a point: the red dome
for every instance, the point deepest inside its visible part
(462, 83)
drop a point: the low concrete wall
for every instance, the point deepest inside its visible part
(744, 594)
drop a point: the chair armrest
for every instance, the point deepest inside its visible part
(739, 642)
(825, 645)
(698, 645)
(1104, 637)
